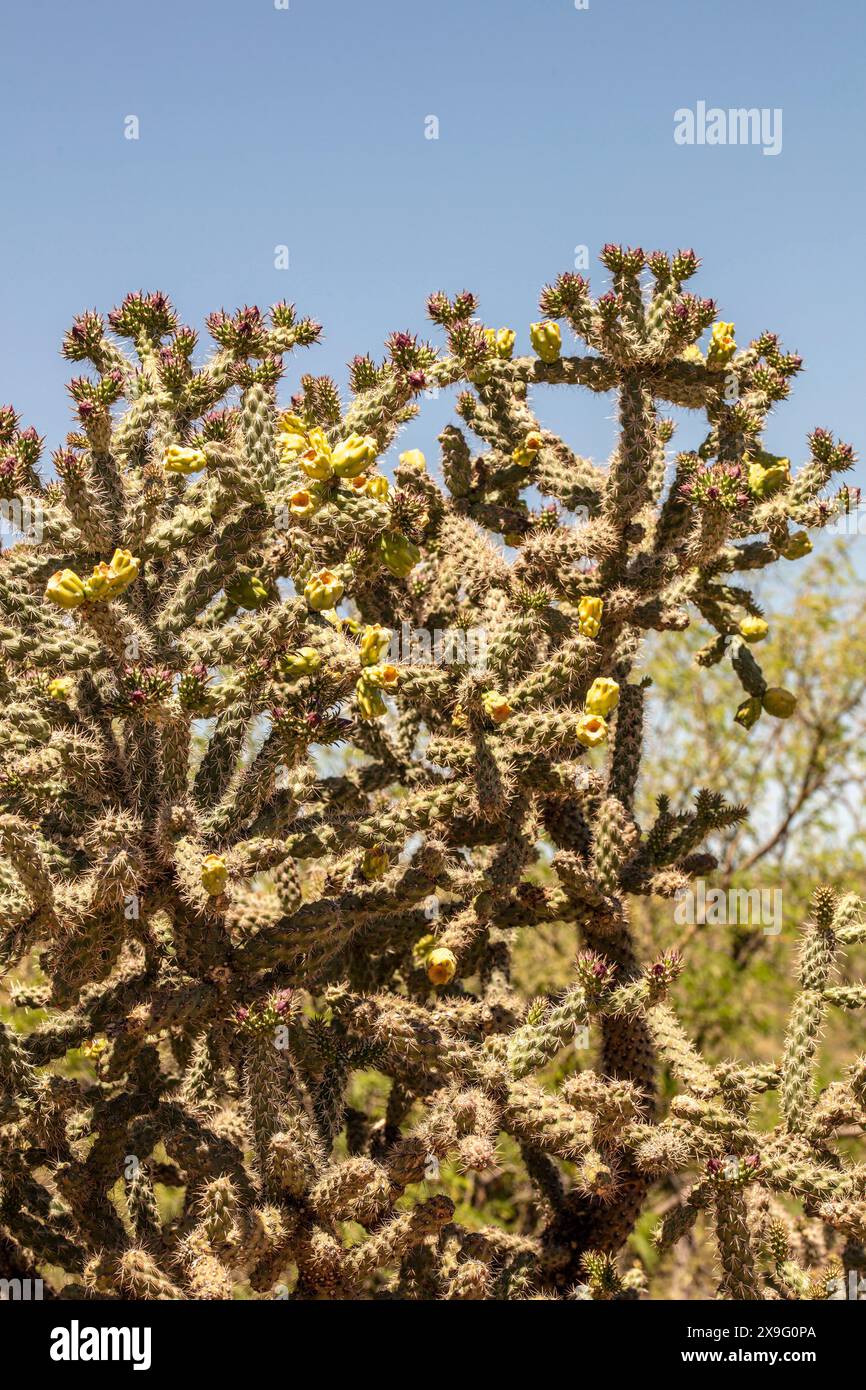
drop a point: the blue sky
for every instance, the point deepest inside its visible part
(305, 127)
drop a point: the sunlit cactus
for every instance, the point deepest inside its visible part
(256, 843)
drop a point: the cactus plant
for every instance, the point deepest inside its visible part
(227, 808)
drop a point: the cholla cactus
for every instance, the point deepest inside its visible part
(231, 928)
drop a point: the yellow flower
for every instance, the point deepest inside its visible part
(123, 569)
(98, 585)
(441, 966)
(602, 696)
(374, 644)
(181, 460)
(302, 503)
(591, 730)
(60, 688)
(385, 677)
(589, 612)
(547, 340)
(358, 484)
(796, 546)
(722, 346)
(754, 629)
(496, 707)
(323, 590)
(353, 454)
(214, 874)
(413, 458)
(778, 702)
(65, 589)
(315, 459)
(378, 488)
(525, 453)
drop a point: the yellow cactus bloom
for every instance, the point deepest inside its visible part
(589, 612)
(374, 643)
(65, 589)
(374, 864)
(384, 677)
(546, 340)
(413, 458)
(778, 702)
(722, 346)
(602, 696)
(796, 546)
(304, 661)
(353, 455)
(591, 730)
(323, 590)
(302, 503)
(496, 707)
(441, 966)
(378, 488)
(60, 688)
(525, 453)
(754, 629)
(179, 459)
(214, 874)
(123, 568)
(358, 484)
(315, 457)
(98, 584)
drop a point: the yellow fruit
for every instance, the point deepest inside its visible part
(778, 702)
(413, 458)
(754, 629)
(589, 612)
(547, 341)
(374, 644)
(353, 455)
(441, 966)
(182, 460)
(65, 589)
(214, 874)
(602, 696)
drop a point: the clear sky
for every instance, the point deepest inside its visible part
(261, 126)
